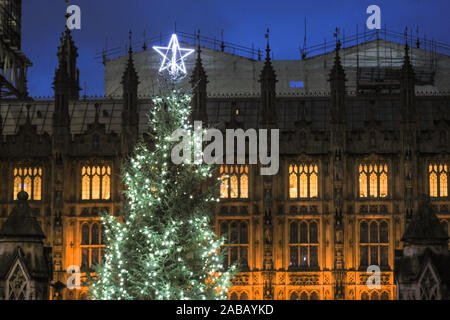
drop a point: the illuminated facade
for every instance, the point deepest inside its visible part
(352, 168)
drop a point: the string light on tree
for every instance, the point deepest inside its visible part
(166, 248)
(173, 58)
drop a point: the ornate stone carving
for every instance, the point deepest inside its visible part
(304, 279)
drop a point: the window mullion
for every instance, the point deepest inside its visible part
(378, 183)
(367, 184)
(101, 184)
(308, 184)
(238, 176)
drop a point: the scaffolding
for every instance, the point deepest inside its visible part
(378, 69)
(13, 63)
(192, 39)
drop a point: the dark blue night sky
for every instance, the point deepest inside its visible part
(244, 22)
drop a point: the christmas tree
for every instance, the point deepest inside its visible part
(166, 247)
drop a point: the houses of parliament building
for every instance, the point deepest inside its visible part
(362, 185)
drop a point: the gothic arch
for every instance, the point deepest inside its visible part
(18, 286)
(429, 284)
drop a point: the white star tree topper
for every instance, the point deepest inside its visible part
(173, 58)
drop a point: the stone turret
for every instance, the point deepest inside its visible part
(25, 264)
(421, 268)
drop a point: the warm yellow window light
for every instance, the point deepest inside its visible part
(95, 182)
(29, 180)
(438, 180)
(373, 180)
(234, 181)
(303, 181)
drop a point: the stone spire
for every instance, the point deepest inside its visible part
(67, 76)
(199, 82)
(67, 79)
(130, 82)
(337, 88)
(268, 82)
(407, 87)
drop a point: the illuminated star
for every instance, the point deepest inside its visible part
(173, 58)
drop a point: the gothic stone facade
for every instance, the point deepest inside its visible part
(352, 168)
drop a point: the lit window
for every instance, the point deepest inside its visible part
(373, 243)
(96, 182)
(296, 84)
(234, 182)
(235, 247)
(303, 181)
(373, 180)
(438, 180)
(92, 245)
(28, 179)
(303, 244)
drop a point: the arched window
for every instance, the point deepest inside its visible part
(243, 233)
(234, 232)
(234, 187)
(374, 296)
(28, 179)
(294, 296)
(373, 180)
(438, 180)
(224, 231)
(234, 181)
(374, 232)
(364, 232)
(374, 245)
(313, 181)
(304, 296)
(293, 182)
(363, 186)
(293, 257)
(293, 234)
(95, 234)
(303, 181)
(235, 248)
(233, 296)
(85, 234)
(303, 232)
(313, 232)
(314, 296)
(385, 295)
(303, 246)
(92, 245)
(433, 181)
(96, 182)
(244, 296)
(364, 296)
(384, 232)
